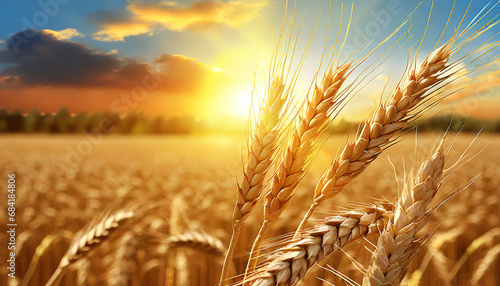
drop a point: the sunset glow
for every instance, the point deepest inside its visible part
(200, 58)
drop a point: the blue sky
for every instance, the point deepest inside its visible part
(223, 42)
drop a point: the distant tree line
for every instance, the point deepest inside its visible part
(136, 123)
(104, 122)
(436, 123)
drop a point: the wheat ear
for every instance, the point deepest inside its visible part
(124, 265)
(378, 131)
(260, 153)
(198, 240)
(88, 240)
(398, 242)
(83, 272)
(294, 260)
(314, 117)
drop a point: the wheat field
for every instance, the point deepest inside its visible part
(186, 184)
(286, 202)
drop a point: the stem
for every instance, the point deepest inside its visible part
(56, 277)
(229, 254)
(458, 265)
(254, 253)
(305, 220)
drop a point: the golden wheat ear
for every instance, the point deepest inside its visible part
(420, 88)
(89, 239)
(398, 243)
(124, 266)
(262, 148)
(293, 261)
(268, 130)
(198, 240)
(381, 128)
(314, 116)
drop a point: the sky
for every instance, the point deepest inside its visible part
(209, 58)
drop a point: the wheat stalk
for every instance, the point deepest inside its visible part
(398, 242)
(177, 272)
(314, 245)
(378, 130)
(41, 249)
(315, 115)
(489, 259)
(88, 240)
(473, 247)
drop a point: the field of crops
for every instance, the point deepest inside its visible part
(183, 189)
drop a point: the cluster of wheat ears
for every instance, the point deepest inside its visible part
(280, 150)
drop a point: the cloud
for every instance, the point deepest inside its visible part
(48, 61)
(190, 76)
(200, 15)
(115, 26)
(482, 85)
(477, 96)
(65, 34)
(144, 18)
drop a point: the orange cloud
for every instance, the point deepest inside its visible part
(65, 34)
(118, 32)
(201, 14)
(479, 98)
(482, 85)
(143, 18)
(187, 76)
(115, 26)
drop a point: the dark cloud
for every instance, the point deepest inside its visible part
(45, 60)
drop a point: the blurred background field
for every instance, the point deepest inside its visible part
(188, 182)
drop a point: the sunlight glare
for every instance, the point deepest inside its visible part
(241, 103)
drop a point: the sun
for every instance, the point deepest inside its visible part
(242, 102)
(236, 102)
